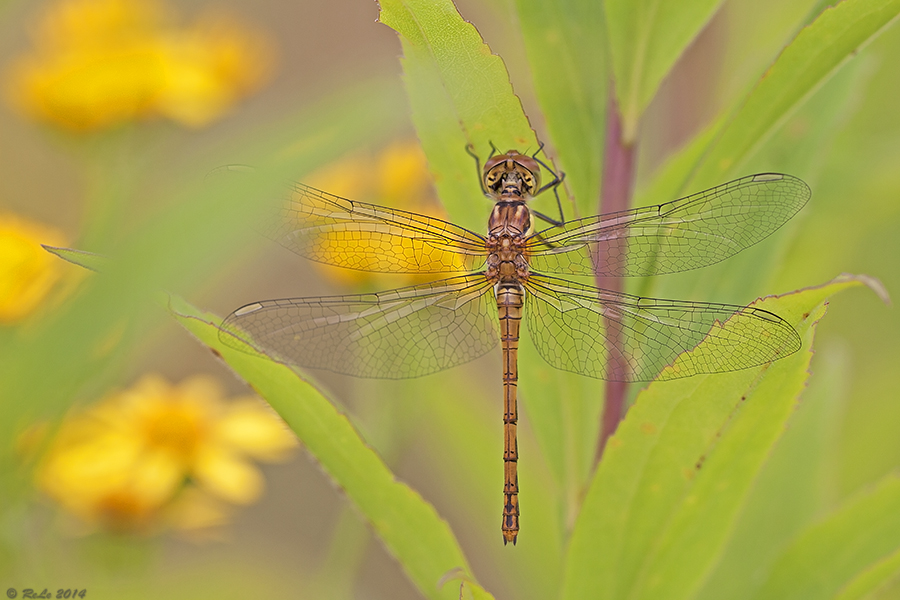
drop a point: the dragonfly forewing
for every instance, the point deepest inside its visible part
(620, 337)
(692, 232)
(333, 230)
(402, 333)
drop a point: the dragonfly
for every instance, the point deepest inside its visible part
(496, 281)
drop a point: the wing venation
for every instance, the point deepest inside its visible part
(620, 337)
(366, 237)
(689, 233)
(402, 333)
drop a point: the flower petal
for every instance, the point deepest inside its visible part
(228, 476)
(254, 429)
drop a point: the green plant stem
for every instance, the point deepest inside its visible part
(110, 169)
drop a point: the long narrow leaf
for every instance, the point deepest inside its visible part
(408, 525)
(646, 37)
(460, 94)
(566, 47)
(810, 59)
(678, 469)
(860, 540)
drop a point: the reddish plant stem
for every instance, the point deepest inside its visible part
(618, 177)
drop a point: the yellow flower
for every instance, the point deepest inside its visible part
(397, 177)
(27, 271)
(159, 455)
(101, 63)
(401, 174)
(210, 68)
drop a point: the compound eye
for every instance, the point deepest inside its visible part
(492, 177)
(528, 180)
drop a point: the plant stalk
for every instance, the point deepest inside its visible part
(618, 179)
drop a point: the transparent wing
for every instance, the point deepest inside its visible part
(407, 332)
(619, 337)
(695, 231)
(332, 230)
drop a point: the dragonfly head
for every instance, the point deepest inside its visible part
(512, 174)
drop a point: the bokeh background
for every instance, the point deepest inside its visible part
(316, 90)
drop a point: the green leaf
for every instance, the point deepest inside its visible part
(408, 525)
(679, 468)
(872, 579)
(646, 37)
(853, 549)
(668, 183)
(799, 147)
(460, 94)
(87, 260)
(810, 59)
(565, 45)
(793, 487)
(749, 37)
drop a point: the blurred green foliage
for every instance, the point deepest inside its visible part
(768, 483)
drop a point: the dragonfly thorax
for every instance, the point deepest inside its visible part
(510, 219)
(508, 227)
(511, 175)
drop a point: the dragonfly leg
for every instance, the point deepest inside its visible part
(550, 220)
(470, 150)
(558, 178)
(538, 235)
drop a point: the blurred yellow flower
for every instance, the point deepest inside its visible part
(159, 455)
(27, 271)
(397, 177)
(101, 63)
